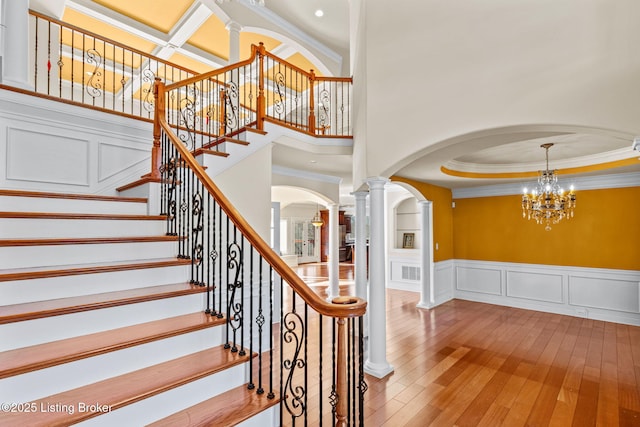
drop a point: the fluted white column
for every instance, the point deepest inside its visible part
(427, 293)
(334, 252)
(376, 363)
(234, 41)
(15, 41)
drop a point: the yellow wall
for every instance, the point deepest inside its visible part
(604, 233)
(442, 216)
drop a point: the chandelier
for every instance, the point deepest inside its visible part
(317, 219)
(253, 2)
(548, 203)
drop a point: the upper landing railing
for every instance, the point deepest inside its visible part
(80, 67)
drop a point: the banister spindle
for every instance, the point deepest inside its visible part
(260, 102)
(156, 151)
(312, 114)
(342, 406)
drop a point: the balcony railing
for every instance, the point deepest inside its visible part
(80, 67)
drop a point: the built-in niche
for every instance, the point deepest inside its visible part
(407, 224)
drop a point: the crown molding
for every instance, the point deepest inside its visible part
(599, 182)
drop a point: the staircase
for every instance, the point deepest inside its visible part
(99, 324)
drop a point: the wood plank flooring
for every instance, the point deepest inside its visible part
(472, 364)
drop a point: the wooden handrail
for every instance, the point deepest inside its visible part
(354, 309)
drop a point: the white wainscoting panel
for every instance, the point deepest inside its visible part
(603, 293)
(594, 293)
(443, 281)
(44, 155)
(57, 147)
(535, 285)
(479, 279)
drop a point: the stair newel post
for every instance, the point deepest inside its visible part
(260, 102)
(312, 103)
(342, 404)
(156, 151)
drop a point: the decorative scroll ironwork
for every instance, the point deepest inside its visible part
(234, 308)
(188, 116)
(280, 82)
(324, 107)
(196, 232)
(231, 105)
(148, 77)
(94, 85)
(170, 172)
(294, 395)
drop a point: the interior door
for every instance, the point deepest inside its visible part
(305, 238)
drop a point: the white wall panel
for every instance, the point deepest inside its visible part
(35, 155)
(595, 293)
(481, 280)
(609, 294)
(115, 158)
(535, 285)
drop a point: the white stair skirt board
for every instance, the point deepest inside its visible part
(171, 401)
(28, 228)
(60, 255)
(38, 331)
(46, 204)
(23, 291)
(56, 379)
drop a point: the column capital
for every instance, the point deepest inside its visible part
(233, 26)
(424, 202)
(360, 194)
(377, 182)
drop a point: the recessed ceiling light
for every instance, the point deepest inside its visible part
(313, 161)
(319, 13)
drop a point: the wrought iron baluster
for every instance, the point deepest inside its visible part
(260, 322)
(251, 385)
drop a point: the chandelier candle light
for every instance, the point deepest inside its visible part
(548, 203)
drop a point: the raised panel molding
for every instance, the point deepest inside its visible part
(602, 293)
(479, 280)
(594, 293)
(47, 157)
(113, 159)
(535, 286)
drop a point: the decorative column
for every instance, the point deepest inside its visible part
(376, 363)
(334, 252)
(234, 41)
(15, 40)
(427, 293)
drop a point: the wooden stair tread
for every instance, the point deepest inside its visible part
(146, 179)
(27, 359)
(129, 388)
(227, 409)
(254, 130)
(87, 240)
(73, 270)
(41, 194)
(200, 151)
(224, 139)
(61, 215)
(61, 306)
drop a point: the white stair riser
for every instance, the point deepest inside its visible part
(38, 331)
(58, 255)
(171, 401)
(30, 228)
(22, 291)
(46, 382)
(266, 418)
(45, 204)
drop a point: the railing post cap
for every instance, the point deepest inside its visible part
(344, 300)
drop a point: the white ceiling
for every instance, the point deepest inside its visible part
(506, 152)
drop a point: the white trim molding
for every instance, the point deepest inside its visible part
(594, 293)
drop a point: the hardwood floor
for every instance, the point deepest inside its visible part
(472, 364)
